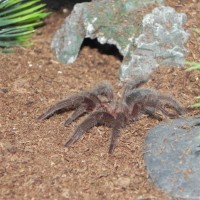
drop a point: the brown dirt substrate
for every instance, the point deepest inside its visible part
(33, 161)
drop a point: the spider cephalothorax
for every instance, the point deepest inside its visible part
(112, 113)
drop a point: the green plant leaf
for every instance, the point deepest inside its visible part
(18, 8)
(28, 13)
(193, 65)
(18, 19)
(196, 105)
(197, 30)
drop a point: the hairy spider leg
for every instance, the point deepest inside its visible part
(157, 102)
(131, 85)
(150, 101)
(95, 118)
(88, 105)
(72, 102)
(170, 101)
(104, 89)
(75, 115)
(69, 103)
(137, 103)
(119, 123)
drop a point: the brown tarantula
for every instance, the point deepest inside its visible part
(104, 110)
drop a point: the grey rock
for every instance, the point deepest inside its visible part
(172, 157)
(145, 43)
(161, 43)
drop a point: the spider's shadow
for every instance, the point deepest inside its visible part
(108, 49)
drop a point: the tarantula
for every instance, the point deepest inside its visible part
(103, 109)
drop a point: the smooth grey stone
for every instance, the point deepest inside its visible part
(172, 157)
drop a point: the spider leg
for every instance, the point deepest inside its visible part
(172, 103)
(135, 111)
(165, 112)
(87, 98)
(131, 85)
(69, 103)
(95, 118)
(104, 89)
(139, 108)
(87, 106)
(151, 112)
(120, 122)
(76, 114)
